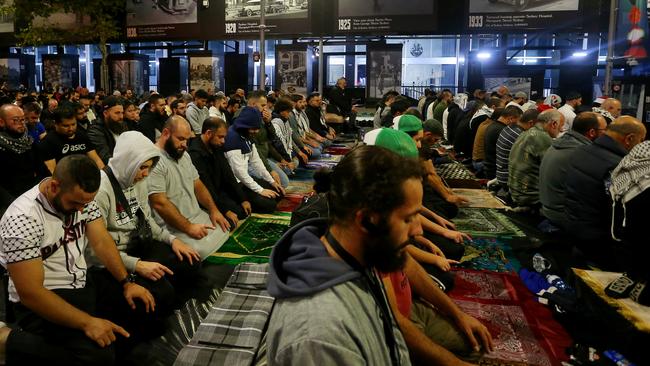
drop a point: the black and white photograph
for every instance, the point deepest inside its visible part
(509, 6)
(7, 19)
(292, 70)
(355, 8)
(150, 12)
(204, 73)
(515, 85)
(10, 73)
(385, 71)
(60, 71)
(129, 74)
(238, 10)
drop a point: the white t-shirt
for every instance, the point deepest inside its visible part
(32, 228)
(569, 115)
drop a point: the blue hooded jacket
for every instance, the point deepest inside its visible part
(248, 118)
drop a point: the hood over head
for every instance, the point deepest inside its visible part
(132, 149)
(301, 266)
(249, 117)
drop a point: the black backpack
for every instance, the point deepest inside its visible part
(311, 207)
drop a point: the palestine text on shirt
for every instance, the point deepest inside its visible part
(32, 228)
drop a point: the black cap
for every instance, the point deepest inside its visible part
(111, 101)
(572, 95)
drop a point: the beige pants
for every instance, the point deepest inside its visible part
(442, 331)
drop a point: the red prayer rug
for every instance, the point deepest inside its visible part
(523, 330)
(290, 202)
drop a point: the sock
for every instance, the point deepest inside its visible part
(620, 288)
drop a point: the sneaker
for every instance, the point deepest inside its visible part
(620, 288)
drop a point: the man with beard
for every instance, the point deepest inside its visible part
(153, 117)
(34, 127)
(175, 192)
(178, 108)
(103, 132)
(210, 161)
(66, 139)
(86, 101)
(330, 300)
(18, 157)
(218, 106)
(231, 109)
(260, 188)
(43, 237)
(197, 111)
(80, 116)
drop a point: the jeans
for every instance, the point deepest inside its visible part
(316, 153)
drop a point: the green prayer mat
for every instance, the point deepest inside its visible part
(253, 240)
(485, 222)
(489, 255)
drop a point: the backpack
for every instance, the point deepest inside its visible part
(311, 207)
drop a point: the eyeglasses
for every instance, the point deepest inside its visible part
(17, 119)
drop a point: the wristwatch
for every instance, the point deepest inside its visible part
(130, 278)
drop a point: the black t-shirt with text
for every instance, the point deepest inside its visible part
(55, 146)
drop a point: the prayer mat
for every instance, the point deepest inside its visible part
(524, 331)
(300, 187)
(233, 330)
(290, 202)
(454, 170)
(490, 255)
(253, 240)
(637, 314)
(484, 222)
(325, 161)
(479, 198)
(301, 174)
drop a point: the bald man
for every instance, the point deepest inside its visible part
(588, 205)
(175, 192)
(613, 106)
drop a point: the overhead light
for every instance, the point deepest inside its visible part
(580, 54)
(483, 55)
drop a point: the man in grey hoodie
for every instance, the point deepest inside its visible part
(586, 128)
(331, 305)
(197, 111)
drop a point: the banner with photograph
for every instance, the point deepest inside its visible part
(632, 31)
(60, 71)
(242, 17)
(173, 20)
(384, 65)
(386, 16)
(205, 72)
(292, 69)
(522, 15)
(129, 72)
(10, 73)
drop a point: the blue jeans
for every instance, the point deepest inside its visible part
(316, 153)
(282, 172)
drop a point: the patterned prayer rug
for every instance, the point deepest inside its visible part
(484, 222)
(253, 240)
(523, 330)
(489, 254)
(479, 198)
(300, 187)
(290, 202)
(454, 170)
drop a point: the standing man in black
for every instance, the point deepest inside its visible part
(341, 102)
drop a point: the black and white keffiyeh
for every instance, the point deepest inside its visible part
(17, 145)
(632, 175)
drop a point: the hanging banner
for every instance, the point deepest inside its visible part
(632, 31)
(60, 71)
(172, 19)
(292, 70)
(522, 15)
(242, 17)
(129, 72)
(205, 72)
(384, 65)
(387, 16)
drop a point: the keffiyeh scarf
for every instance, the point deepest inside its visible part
(15, 145)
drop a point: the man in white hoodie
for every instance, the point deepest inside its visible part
(147, 249)
(175, 192)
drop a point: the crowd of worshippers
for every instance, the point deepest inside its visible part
(580, 171)
(107, 218)
(153, 185)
